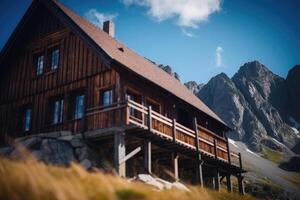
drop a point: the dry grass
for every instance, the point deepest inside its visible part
(272, 155)
(294, 178)
(30, 180)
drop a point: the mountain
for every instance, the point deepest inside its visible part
(259, 105)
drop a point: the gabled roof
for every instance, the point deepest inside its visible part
(132, 61)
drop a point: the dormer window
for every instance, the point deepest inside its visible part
(40, 64)
(54, 59)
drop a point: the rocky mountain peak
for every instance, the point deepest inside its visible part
(254, 101)
(253, 69)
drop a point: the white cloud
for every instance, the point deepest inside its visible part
(187, 33)
(219, 58)
(187, 13)
(97, 18)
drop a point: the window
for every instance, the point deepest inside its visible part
(57, 111)
(154, 105)
(79, 107)
(54, 59)
(26, 119)
(40, 65)
(106, 97)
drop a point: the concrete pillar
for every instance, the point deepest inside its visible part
(241, 184)
(147, 156)
(229, 183)
(119, 153)
(217, 180)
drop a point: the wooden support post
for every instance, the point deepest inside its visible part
(241, 184)
(199, 170)
(217, 180)
(149, 118)
(119, 153)
(174, 130)
(215, 149)
(198, 160)
(240, 160)
(175, 158)
(229, 183)
(147, 156)
(228, 151)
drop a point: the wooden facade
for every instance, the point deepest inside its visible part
(83, 70)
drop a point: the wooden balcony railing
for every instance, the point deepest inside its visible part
(131, 112)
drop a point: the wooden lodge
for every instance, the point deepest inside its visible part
(60, 72)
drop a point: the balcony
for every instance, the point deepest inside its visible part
(131, 113)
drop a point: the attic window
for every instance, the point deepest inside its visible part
(121, 49)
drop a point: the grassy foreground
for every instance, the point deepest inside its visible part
(35, 181)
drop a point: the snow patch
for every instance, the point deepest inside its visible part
(296, 124)
(295, 130)
(233, 143)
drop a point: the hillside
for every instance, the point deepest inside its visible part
(36, 181)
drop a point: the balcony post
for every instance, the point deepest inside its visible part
(149, 118)
(228, 151)
(215, 149)
(198, 160)
(174, 130)
(240, 160)
(127, 111)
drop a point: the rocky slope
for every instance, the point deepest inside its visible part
(260, 106)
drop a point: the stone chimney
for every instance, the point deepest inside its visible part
(109, 28)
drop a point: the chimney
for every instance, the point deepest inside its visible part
(109, 28)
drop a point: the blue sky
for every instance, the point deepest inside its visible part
(198, 39)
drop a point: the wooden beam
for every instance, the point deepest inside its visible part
(119, 153)
(130, 155)
(147, 156)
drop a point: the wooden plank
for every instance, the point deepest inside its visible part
(130, 155)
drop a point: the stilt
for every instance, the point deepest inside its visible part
(119, 151)
(229, 184)
(175, 158)
(241, 184)
(199, 170)
(217, 180)
(147, 156)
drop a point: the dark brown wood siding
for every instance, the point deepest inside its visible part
(79, 68)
